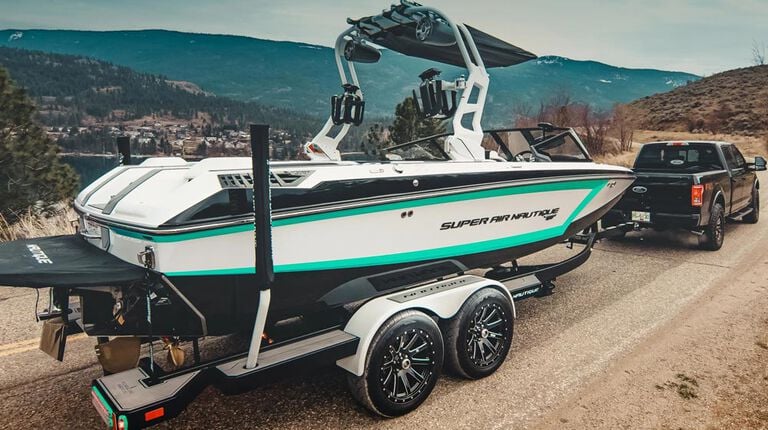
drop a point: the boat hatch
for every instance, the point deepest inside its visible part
(63, 261)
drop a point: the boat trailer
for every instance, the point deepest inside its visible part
(146, 395)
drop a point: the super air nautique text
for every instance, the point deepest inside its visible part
(547, 214)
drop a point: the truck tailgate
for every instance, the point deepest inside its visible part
(662, 192)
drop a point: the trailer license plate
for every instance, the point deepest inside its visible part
(101, 409)
(641, 216)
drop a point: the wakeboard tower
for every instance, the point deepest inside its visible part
(345, 252)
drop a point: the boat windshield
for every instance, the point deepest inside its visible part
(561, 147)
(429, 149)
(522, 144)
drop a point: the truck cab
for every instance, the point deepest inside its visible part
(691, 185)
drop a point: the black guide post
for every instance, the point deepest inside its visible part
(262, 207)
(262, 211)
(124, 149)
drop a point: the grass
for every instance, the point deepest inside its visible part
(31, 224)
(685, 386)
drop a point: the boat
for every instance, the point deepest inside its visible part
(324, 261)
(165, 248)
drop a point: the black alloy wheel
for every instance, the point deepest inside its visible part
(478, 338)
(404, 361)
(714, 232)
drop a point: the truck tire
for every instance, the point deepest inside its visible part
(714, 232)
(478, 337)
(754, 216)
(403, 363)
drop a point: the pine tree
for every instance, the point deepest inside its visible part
(409, 125)
(31, 174)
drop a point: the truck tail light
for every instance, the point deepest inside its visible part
(697, 195)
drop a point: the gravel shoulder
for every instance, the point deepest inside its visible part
(707, 368)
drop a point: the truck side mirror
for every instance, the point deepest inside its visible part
(759, 164)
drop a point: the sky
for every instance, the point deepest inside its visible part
(697, 36)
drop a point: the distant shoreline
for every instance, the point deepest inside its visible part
(87, 154)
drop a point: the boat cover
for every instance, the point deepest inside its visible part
(62, 261)
(396, 30)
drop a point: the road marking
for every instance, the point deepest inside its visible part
(31, 344)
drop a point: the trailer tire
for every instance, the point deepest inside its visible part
(754, 216)
(391, 366)
(714, 232)
(469, 352)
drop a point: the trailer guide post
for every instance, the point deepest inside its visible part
(262, 211)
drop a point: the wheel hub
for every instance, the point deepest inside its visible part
(405, 364)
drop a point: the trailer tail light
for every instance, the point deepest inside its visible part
(697, 195)
(154, 414)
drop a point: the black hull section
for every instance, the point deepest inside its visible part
(321, 299)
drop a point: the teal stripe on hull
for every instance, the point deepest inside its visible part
(180, 237)
(430, 254)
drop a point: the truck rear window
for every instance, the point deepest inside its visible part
(691, 157)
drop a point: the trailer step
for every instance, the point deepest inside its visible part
(301, 356)
(127, 397)
(133, 399)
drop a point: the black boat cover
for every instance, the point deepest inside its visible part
(62, 261)
(396, 30)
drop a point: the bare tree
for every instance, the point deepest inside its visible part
(624, 125)
(592, 127)
(758, 53)
(523, 114)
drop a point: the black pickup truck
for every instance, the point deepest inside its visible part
(691, 185)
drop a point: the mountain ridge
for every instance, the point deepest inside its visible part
(302, 76)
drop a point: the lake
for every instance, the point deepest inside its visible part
(92, 166)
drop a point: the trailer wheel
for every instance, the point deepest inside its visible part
(402, 366)
(714, 232)
(754, 216)
(478, 338)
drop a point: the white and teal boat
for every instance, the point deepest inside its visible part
(343, 231)
(324, 261)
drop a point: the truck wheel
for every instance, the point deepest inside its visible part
(402, 366)
(478, 338)
(714, 232)
(753, 216)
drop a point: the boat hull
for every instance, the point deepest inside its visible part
(326, 261)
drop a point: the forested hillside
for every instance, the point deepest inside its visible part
(71, 90)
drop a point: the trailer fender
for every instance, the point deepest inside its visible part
(442, 299)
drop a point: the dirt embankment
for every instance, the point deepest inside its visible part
(733, 102)
(705, 369)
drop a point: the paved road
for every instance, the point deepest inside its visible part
(599, 313)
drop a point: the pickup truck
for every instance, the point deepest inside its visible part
(691, 185)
